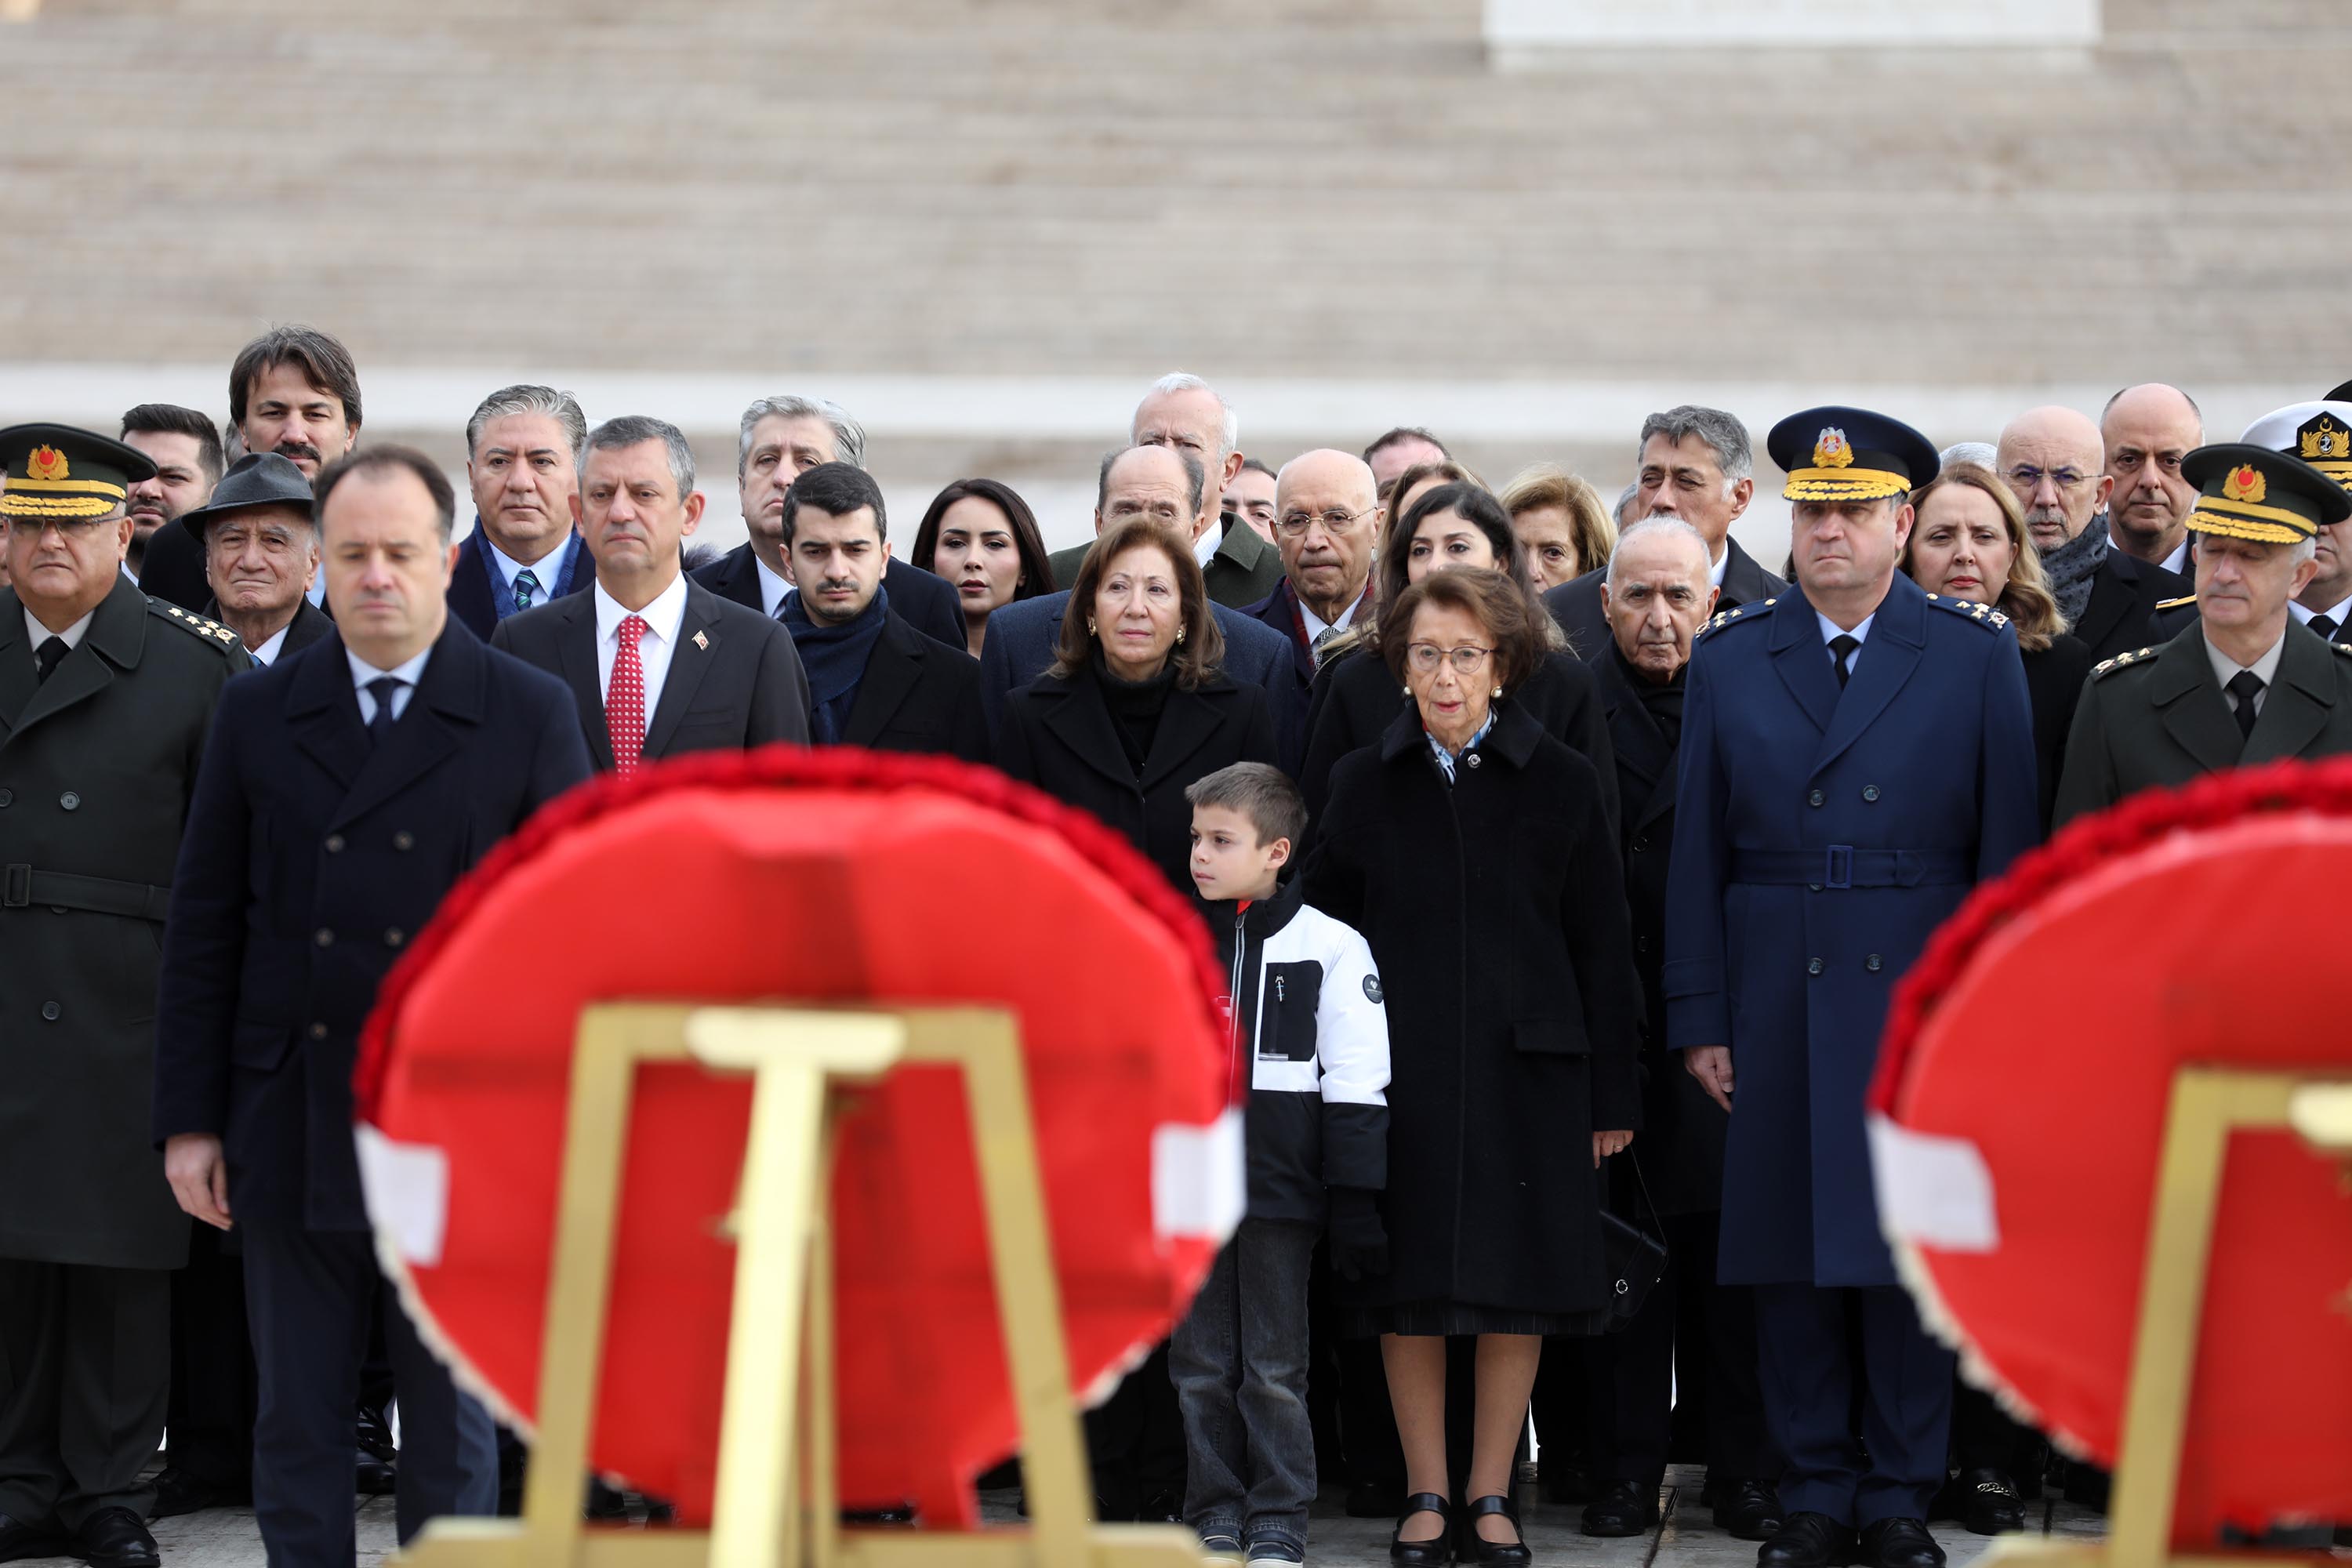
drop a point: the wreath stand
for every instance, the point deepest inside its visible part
(2208, 1105)
(775, 1503)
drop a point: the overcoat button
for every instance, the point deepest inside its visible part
(404, 839)
(334, 843)
(1813, 887)
(1472, 758)
(325, 937)
(1814, 967)
(1871, 963)
(1814, 799)
(1870, 792)
(7, 797)
(51, 1010)
(1640, 845)
(318, 1031)
(1641, 944)
(70, 801)
(392, 937)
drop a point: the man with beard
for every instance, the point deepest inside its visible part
(292, 391)
(186, 451)
(2055, 463)
(2146, 430)
(522, 449)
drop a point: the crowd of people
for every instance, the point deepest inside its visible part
(1563, 857)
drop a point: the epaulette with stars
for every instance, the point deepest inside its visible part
(1984, 616)
(1729, 615)
(2108, 667)
(2176, 603)
(195, 625)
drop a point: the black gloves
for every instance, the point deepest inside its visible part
(1359, 1243)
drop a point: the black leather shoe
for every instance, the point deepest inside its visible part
(1374, 1500)
(1438, 1550)
(115, 1537)
(373, 1476)
(1622, 1508)
(1900, 1543)
(1747, 1511)
(178, 1493)
(1985, 1502)
(1806, 1541)
(19, 1539)
(1565, 1483)
(1476, 1548)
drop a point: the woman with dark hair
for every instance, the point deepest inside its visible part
(1353, 699)
(982, 536)
(1135, 708)
(1473, 853)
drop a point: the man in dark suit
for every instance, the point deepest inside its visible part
(782, 438)
(343, 791)
(1697, 464)
(658, 665)
(2055, 463)
(1693, 1338)
(2245, 684)
(261, 553)
(522, 447)
(1184, 411)
(1855, 756)
(1165, 483)
(105, 699)
(874, 680)
(185, 448)
(1326, 517)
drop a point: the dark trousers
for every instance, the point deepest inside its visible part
(1135, 1442)
(309, 1294)
(84, 1369)
(1813, 1386)
(1987, 1437)
(1693, 1344)
(212, 1393)
(1239, 1359)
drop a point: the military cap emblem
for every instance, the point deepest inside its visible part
(2244, 483)
(2323, 438)
(47, 463)
(1833, 450)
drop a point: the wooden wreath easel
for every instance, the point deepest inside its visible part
(2208, 1105)
(776, 1505)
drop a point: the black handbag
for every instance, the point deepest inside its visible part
(1636, 1259)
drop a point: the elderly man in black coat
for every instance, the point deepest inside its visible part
(344, 790)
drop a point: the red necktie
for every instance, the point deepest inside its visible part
(625, 699)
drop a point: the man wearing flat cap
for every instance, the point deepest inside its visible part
(105, 696)
(2246, 683)
(1856, 754)
(261, 555)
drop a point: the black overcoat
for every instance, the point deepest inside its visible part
(1059, 735)
(1495, 909)
(97, 767)
(917, 695)
(311, 857)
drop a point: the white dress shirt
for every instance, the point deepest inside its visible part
(408, 675)
(1860, 634)
(2265, 669)
(2179, 560)
(2337, 612)
(772, 589)
(1204, 549)
(543, 570)
(1721, 564)
(266, 654)
(662, 617)
(41, 634)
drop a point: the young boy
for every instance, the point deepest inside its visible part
(1309, 1030)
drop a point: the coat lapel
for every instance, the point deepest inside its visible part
(1185, 726)
(698, 646)
(117, 632)
(1644, 761)
(2113, 587)
(1801, 660)
(16, 678)
(2300, 701)
(1898, 634)
(2196, 715)
(1081, 719)
(324, 710)
(892, 670)
(449, 695)
(576, 649)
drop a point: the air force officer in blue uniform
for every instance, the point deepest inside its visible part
(1856, 754)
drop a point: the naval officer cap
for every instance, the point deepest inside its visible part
(2343, 393)
(1849, 454)
(2253, 492)
(258, 478)
(2319, 433)
(58, 471)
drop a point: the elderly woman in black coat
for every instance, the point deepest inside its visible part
(1355, 698)
(1473, 851)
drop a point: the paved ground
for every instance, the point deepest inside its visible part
(1685, 1539)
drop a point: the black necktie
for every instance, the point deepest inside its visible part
(46, 656)
(381, 689)
(1842, 649)
(2325, 626)
(2245, 686)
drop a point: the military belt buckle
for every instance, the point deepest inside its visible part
(16, 887)
(1839, 872)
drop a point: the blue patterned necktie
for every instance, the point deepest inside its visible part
(526, 589)
(382, 689)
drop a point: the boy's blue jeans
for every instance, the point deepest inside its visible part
(1239, 1360)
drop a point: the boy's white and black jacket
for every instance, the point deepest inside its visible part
(1308, 1023)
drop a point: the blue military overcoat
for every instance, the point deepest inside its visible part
(1821, 835)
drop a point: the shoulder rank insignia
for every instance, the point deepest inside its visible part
(2344, 649)
(195, 625)
(1970, 609)
(2108, 667)
(2176, 603)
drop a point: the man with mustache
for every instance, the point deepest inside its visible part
(657, 664)
(521, 463)
(2055, 463)
(261, 550)
(2246, 684)
(1326, 515)
(186, 451)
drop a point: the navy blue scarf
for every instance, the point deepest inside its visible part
(834, 657)
(502, 599)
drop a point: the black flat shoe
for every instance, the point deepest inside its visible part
(1438, 1550)
(1806, 1541)
(1900, 1543)
(20, 1540)
(1623, 1508)
(115, 1537)
(1985, 1502)
(371, 1476)
(1476, 1548)
(1747, 1510)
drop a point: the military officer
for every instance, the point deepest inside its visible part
(1856, 753)
(2321, 434)
(2246, 684)
(105, 696)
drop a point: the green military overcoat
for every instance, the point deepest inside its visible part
(97, 765)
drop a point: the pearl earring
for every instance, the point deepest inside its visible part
(1090, 626)
(1179, 635)
(1498, 692)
